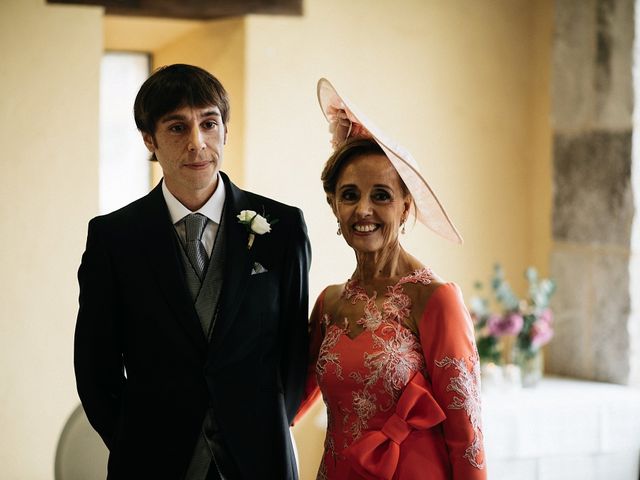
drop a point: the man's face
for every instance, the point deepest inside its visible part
(188, 144)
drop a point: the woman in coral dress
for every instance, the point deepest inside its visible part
(392, 348)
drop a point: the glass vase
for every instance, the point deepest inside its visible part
(531, 366)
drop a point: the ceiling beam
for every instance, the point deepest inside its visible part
(192, 9)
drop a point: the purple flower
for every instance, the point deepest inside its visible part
(541, 332)
(509, 324)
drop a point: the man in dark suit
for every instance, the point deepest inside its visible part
(191, 337)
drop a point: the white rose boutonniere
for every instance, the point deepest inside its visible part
(255, 224)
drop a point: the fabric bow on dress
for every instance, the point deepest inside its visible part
(376, 453)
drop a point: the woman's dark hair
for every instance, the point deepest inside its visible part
(174, 86)
(350, 149)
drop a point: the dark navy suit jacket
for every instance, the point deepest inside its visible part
(145, 372)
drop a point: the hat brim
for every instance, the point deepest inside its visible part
(429, 210)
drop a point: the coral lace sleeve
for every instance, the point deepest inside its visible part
(452, 365)
(312, 391)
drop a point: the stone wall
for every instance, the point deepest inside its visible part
(593, 201)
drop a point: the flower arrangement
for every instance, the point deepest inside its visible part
(528, 321)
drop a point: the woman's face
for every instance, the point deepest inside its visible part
(369, 203)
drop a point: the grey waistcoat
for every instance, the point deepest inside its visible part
(205, 295)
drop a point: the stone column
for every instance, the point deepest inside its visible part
(593, 204)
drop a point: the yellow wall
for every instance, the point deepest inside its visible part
(48, 186)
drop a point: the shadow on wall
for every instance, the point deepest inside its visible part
(81, 454)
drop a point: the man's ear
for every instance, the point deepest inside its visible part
(149, 141)
(226, 131)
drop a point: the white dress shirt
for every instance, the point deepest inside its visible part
(212, 210)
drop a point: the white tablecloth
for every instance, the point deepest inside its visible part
(562, 429)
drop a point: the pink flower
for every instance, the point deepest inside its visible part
(546, 316)
(541, 332)
(509, 324)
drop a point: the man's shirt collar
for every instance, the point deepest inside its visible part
(212, 209)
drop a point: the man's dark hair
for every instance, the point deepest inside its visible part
(175, 86)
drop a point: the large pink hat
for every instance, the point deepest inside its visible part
(345, 121)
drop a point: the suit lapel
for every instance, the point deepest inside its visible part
(238, 262)
(163, 256)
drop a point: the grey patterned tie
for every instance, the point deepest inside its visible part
(194, 225)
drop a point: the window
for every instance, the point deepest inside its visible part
(125, 171)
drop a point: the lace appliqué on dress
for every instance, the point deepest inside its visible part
(326, 355)
(398, 354)
(372, 318)
(397, 358)
(364, 406)
(398, 304)
(466, 386)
